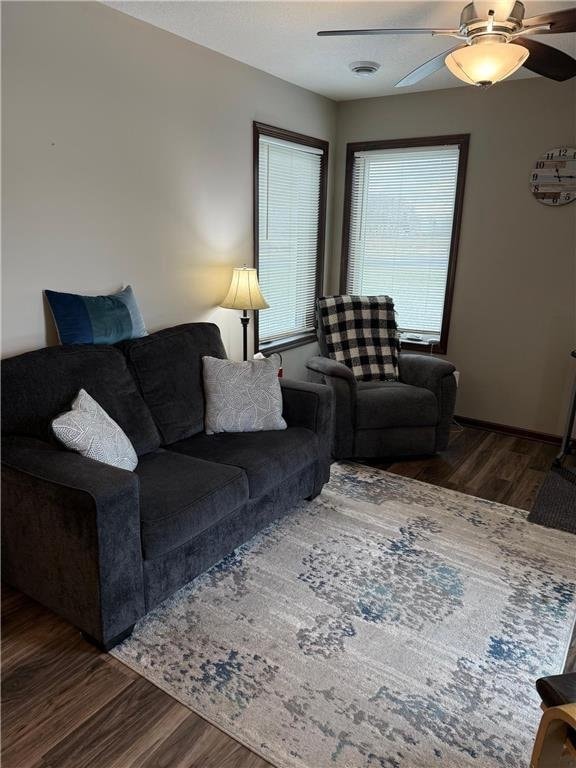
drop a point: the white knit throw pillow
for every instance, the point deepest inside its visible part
(242, 397)
(88, 430)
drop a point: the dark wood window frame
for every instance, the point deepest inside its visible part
(462, 140)
(261, 129)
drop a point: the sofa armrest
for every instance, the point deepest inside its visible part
(307, 405)
(328, 367)
(423, 370)
(311, 406)
(438, 376)
(343, 384)
(71, 536)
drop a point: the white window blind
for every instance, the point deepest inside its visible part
(401, 217)
(289, 181)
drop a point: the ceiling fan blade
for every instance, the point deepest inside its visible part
(560, 21)
(547, 61)
(426, 69)
(469, 13)
(341, 32)
(517, 12)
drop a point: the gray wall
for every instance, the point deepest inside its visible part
(127, 157)
(513, 317)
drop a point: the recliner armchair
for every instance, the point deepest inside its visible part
(377, 419)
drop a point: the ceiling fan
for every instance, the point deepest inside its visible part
(492, 49)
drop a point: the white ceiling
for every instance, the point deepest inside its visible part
(280, 37)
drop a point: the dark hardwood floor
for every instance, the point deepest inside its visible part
(491, 465)
(66, 705)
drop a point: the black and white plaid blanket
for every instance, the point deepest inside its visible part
(361, 332)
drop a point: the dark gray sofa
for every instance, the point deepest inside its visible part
(101, 546)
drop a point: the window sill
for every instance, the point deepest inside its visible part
(423, 346)
(282, 345)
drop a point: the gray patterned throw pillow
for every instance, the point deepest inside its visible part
(242, 397)
(88, 430)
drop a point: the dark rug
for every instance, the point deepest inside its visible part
(555, 505)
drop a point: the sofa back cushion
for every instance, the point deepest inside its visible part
(38, 386)
(167, 366)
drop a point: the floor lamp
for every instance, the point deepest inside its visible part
(244, 293)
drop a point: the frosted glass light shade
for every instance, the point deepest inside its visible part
(486, 63)
(244, 291)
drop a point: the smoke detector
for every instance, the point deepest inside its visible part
(364, 68)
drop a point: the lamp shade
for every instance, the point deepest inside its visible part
(485, 63)
(244, 291)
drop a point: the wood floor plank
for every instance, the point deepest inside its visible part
(529, 447)
(65, 705)
(33, 678)
(463, 443)
(467, 473)
(410, 468)
(196, 743)
(131, 722)
(492, 488)
(511, 465)
(543, 457)
(523, 493)
(494, 457)
(51, 719)
(18, 624)
(30, 637)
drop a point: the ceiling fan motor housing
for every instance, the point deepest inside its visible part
(472, 29)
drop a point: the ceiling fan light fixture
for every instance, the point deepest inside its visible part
(486, 62)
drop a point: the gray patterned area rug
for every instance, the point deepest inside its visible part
(386, 624)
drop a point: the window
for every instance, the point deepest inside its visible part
(290, 172)
(402, 214)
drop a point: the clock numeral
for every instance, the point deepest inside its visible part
(534, 177)
(562, 153)
(536, 187)
(549, 155)
(540, 164)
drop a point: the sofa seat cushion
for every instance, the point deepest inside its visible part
(182, 496)
(267, 458)
(384, 404)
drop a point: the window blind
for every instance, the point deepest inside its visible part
(400, 230)
(289, 180)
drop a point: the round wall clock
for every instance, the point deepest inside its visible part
(553, 179)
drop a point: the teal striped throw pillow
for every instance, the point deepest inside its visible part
(96, 319)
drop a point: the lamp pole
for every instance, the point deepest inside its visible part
(245, 320)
